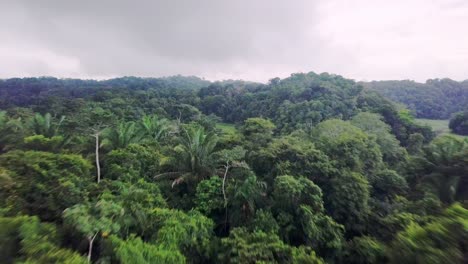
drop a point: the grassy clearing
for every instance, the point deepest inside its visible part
(440, 127)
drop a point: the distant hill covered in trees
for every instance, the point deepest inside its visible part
(435, 99)
(300, 101)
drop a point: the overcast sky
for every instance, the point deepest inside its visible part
(236, 39)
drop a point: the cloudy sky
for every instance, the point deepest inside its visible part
(242, 39)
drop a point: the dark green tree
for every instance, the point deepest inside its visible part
(194, 159)
(443, 168)
(459, 123)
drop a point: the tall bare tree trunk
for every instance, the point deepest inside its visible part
(90, 250)
(224, 194)
(224, 183)
(98, 167)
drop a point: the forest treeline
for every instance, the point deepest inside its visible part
(434, 99)
(312, 168)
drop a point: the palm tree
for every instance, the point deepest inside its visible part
(195, 158)
(153, 128)
(245, 198)
(45, 125)
(11, 131)
(197, 151)
(121, 136)
(445, 167)
(3, 119)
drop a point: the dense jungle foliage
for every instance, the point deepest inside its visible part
(313, 168)
(434, 99)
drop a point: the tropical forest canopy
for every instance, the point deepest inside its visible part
(434, 99)
(314, 168)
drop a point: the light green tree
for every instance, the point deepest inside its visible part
(92, 219)
(348, 146)
(443, 240)
(257, 131)
(374, 125)
(46, 183)
(11, 131)
(45, 125)
(154, 128)
(121, 135)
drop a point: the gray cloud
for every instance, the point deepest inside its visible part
(216, 39)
